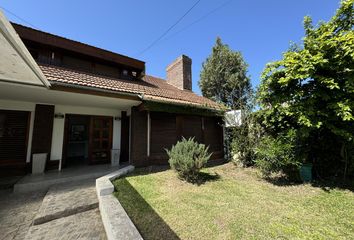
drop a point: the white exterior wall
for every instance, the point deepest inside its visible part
(58, 126)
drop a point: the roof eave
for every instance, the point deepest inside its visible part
(93, 90)
(184, 104)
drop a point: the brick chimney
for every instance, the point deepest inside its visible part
(179, 73)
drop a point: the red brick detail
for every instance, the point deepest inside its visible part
(179, 73)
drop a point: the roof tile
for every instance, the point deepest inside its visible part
(152, 88)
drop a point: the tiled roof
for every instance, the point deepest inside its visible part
(152, 88)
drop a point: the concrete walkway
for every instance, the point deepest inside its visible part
(85, 225)
(17, 212)
(67, 199)
(66, 211)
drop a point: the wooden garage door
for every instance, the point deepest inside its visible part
(13, 141)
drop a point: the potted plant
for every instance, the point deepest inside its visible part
(306, 172)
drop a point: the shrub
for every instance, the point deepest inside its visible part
(278, 155)
(244, 141)
(187, 157)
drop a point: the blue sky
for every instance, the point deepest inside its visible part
(260, 29)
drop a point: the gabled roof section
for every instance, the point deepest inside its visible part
(60, 42)
(16, 63)
(149, 88)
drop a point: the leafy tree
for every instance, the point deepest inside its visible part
(312, 89)
(224, 77)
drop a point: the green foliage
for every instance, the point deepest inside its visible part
(224, 77)
(245, 140)
(188, 157)
(312, 88)
(276, 154)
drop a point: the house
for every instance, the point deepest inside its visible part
(86, 105)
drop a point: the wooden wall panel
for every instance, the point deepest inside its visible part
(213, 136)
(163, 135)
(190, 126)
(166, 130)
(138, 141)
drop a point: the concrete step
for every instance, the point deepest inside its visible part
(35, 182)
(8, 182)
(63, 200)
(80, 226)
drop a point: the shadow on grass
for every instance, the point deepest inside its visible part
(144, 217)
(325, 185)
(150, 169)
(282, 181)
(202, 178)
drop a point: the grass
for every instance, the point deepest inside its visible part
(234, 204)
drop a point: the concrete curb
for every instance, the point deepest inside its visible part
(115, 220)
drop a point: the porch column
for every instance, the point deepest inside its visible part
(148, 133)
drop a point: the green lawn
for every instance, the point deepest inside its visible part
(234, 204)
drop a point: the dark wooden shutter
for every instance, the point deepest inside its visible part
(14, 127)
(42, 129)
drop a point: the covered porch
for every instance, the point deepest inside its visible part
(67, 125)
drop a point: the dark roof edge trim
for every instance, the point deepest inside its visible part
(180, 104)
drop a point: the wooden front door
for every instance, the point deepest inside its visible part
(100, 143)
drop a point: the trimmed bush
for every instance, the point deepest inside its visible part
(187, 157)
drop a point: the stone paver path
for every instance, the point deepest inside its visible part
(67, 199)
(66, 211)
(17, 212)
(85, 225)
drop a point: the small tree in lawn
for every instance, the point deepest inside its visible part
(311, 89)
